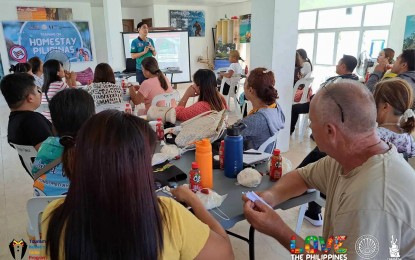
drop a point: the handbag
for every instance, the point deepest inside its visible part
(210, 124)
(167, 114)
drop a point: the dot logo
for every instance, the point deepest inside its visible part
(367, 246)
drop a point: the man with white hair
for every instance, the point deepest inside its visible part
(369, 186)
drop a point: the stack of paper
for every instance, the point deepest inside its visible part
(252, 156)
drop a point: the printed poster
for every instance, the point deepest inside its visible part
(192, 21)
(43, 14)
(409, 36)
(25, 40)
(245, 28)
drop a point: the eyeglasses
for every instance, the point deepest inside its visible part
(39, 90)
(332, 97)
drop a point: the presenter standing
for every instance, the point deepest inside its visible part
(141, 48)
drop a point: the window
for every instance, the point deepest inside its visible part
(374, 41)
(325, 48)
(377, 15)
(327, 34)
(348, 43)
(307, 20)
(306, 42)
(342, 17)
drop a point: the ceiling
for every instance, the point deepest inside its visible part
(141, 3)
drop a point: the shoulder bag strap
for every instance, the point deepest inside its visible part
(47, 168)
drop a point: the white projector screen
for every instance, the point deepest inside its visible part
(172, 51)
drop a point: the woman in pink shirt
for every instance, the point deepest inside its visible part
(155, 84)
(209, 97)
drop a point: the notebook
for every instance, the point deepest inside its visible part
(254, 158)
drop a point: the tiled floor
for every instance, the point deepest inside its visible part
(16, 189)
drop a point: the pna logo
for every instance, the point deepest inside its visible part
(18, 249)
(311, 245)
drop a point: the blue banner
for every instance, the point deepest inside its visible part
(25, 40)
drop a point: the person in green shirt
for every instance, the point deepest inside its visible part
(141, 48)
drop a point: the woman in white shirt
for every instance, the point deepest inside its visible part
(103, 89)
(307, 66)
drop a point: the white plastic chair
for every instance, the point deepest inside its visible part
(167, 98)
(269, 141)
(233, 83)
(28, 154)
(306, 81)
(35, 207)
(116, 106)
(303, 208)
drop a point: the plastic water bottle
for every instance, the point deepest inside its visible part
(234, 145)
(246, 70)
(195, 177)
(128, 109)
(205, 161)
(275, 171)
(160, 129)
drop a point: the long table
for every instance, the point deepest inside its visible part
(232, 206)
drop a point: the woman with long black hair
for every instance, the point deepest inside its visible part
(111, 210)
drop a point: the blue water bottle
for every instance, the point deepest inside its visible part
(234, 145)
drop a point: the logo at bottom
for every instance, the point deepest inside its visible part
(367, 246)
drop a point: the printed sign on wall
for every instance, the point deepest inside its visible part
(409, 36)
(245, 28)
(192, 21)
(43, 13)
(25, 40)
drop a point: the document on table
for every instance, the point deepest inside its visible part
(255, 156)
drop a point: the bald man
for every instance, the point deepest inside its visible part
(369, 186)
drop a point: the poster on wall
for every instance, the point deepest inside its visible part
(43, 14)
(25, 40)
(245, 28)
(409, 36)
(192, 21)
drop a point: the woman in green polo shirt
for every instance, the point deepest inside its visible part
(141, 48)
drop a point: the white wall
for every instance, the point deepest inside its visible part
(198, 45)
(97, 15)
(138, 13)
(80, 11)
(402, 8)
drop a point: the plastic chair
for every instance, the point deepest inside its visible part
(35, 207)
(306, 81)
(116, 106)
(234, 83)
(303, 209)
(167, 98)
(28, 154)
(264, 145)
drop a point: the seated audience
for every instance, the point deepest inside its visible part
(37, 70)
(404, 67)
(53, 73)
(69, 109)
(369, 185)
(209, 97)
(26, 127)
(155, 84)
(233, 69)
(266, 118)
(307, 66)
(395, 120)
(22, 67)
(103, 89)
(344, 70)
(112, 209)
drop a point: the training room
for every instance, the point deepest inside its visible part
(233, 129)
